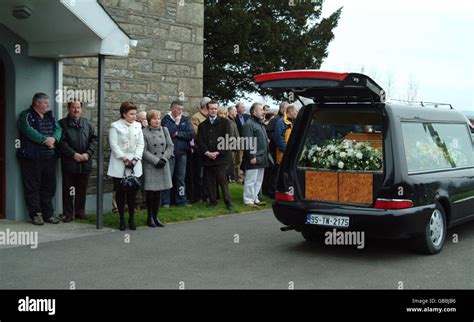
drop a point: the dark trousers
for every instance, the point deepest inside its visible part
(189, 181)
(39, 185)
(217, 176)
(200, 185)
(153, 201)
(74, 194)
(122, 196)
(269, 181)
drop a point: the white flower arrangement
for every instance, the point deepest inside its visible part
(342, 155)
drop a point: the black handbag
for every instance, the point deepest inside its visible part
(130, 182)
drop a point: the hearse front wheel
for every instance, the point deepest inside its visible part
(432, 241)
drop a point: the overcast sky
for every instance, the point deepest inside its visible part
(428, 43)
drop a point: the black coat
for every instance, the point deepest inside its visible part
(208, 140)
(77, 139)
(240, 126)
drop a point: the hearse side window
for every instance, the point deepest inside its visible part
(435, 146)
(343, 139)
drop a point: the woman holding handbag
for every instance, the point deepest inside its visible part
(158, 150)
(126, 143)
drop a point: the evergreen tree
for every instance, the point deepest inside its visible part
(244, 38)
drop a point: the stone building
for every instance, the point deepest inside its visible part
(154, 54)
(166, 64)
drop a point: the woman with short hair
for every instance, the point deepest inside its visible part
(126, 143)
(158, 150)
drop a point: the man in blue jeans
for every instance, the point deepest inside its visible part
(181, 132)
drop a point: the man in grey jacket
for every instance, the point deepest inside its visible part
(257, 157)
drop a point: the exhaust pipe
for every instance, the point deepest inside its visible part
(287, 228)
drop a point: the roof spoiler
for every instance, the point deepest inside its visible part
(325, 87)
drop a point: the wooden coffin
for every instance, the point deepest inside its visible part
(374, 139)
(336, 186)
(321, 185)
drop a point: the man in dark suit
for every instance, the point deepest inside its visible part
(240, 119)
(216, 156)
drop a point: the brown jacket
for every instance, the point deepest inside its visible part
(197, 119)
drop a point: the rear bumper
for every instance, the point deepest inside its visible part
(393, 224)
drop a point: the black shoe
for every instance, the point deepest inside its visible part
(212, 205)
(151, 222)
(157, 221)
(131, 223)
(122, 223)
(230, 207)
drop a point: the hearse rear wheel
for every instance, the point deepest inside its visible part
(432, 241)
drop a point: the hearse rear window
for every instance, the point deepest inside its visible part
(342, 139)
(436, 146)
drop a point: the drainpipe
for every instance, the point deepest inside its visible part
(100, 146)
(58, 113)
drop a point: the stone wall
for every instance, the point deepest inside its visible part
(167, 63)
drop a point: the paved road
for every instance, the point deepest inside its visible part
(205, 254)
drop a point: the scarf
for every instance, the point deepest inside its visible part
(131, 135)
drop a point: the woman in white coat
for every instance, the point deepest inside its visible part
(126, 143)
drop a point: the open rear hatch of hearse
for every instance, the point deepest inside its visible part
(335, 151)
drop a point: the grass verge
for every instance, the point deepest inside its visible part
(194, 211)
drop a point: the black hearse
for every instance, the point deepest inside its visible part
(357, 163)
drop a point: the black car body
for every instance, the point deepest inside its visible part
(425, 180)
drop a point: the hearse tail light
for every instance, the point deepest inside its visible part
(393, 204)
(284, 196)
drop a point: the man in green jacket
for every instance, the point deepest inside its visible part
(39, 134)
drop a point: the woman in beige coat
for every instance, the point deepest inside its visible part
(158, 150)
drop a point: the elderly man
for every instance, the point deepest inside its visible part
(256, 159)
(269, 185)
(234, 169)
(77, 146)
(181, 133)
(141, 196)
(240, 119)
(201, 115)
(39, 133)
(141, 118)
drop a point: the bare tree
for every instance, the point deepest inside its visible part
(390, 81)
(412, 90)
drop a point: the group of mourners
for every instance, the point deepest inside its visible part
(177, 159)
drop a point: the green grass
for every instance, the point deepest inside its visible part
(194, 211)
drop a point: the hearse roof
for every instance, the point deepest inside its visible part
(410, 112)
